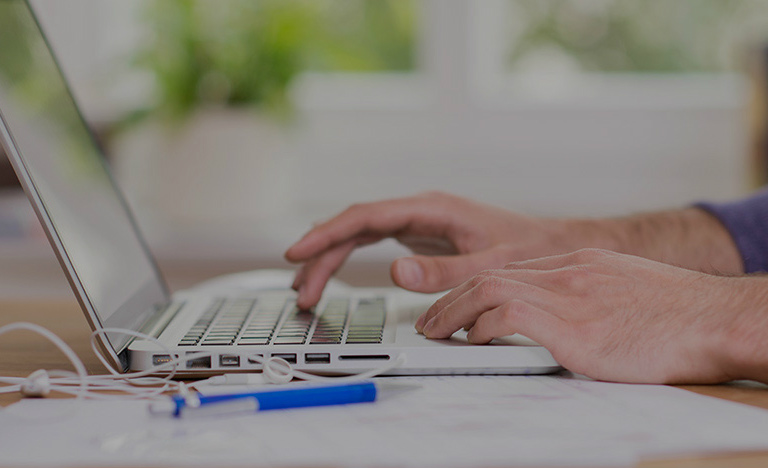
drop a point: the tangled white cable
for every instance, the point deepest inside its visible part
(142, 384)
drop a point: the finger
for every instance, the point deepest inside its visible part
(431, 245)
(330, 259)
(515, 316)
(529, 277)
(486, 296)
(298, 278)
(554, 262)
(447, 299)
(432, 274)
(318, 271)
(385, 218)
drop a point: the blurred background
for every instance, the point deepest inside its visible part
(233, 125)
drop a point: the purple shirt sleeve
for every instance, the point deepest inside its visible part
(747, 221)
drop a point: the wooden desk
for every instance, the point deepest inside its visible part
(21, 353)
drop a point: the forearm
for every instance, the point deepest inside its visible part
(690, 238)
(742, 343)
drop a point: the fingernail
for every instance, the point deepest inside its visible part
(419, 325)
(409, 272)
(428, 327)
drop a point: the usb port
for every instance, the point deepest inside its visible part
(317, 358)
(289, 357)
(158, 359)
(229, 361)
(199, 363)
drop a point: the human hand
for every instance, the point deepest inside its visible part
(610, 316)
(453, 237)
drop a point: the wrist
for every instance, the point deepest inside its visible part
(744, 338)
(598, 233)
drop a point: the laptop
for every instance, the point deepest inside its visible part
(118, 285)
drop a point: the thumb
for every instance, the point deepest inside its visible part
(433, 274)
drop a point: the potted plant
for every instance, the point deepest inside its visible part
(213, 147)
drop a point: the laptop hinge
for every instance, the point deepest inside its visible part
(158, 322)
(124, 363)
(154, 326)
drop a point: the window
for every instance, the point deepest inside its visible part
(632, 36)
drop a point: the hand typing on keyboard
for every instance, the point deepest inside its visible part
(453, 238)
(569, 284)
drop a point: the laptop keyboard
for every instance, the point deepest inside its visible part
(251, 322)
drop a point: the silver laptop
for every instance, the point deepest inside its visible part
(117, 283)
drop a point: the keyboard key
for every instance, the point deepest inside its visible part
(256, 334)
(288, 340)
(253, 341)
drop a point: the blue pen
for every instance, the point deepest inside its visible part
(283, 398)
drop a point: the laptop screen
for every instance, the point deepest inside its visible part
(66, 177)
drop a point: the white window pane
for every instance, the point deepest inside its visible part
(656, 36)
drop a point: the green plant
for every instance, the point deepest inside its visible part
(234, 53)
(246, 52)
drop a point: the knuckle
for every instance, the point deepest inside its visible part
(572, 278)
(509, 312)
(590, 254)
(489, 286)
(512, 311)
(478, 279)
(485, 275)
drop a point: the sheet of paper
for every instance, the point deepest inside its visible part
(450, 421)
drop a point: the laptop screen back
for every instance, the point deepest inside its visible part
(65, 176)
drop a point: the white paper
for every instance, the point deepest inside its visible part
(450, 421)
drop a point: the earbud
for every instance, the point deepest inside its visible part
(37, 384)
(277, 371)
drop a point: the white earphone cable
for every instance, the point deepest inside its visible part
(144, 384)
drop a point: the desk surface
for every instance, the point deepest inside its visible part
(22, 353)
